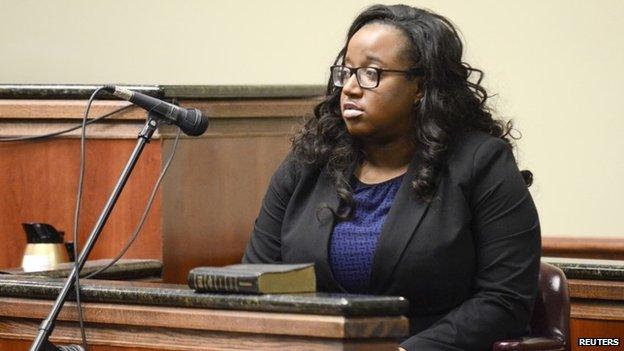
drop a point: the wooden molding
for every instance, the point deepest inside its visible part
(213, 320)
(231, 108)
(598, 310)
(254, 107)
(219, 128)
(583, 247)
(596, 289)
(64, 109)
(121, 327)
(122, 337)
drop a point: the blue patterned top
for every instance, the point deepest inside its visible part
(352, 244)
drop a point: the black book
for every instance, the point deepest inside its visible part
(254, 278)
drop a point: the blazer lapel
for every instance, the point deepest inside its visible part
(399, 227)
(324, 224)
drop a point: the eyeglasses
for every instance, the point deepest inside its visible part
(367, 77)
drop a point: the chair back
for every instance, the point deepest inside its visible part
(551, 317)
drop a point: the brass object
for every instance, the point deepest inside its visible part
(41, 256)
(45, 247)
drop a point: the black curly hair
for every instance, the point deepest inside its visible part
(453, 102)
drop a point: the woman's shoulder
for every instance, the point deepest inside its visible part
(471, 141)
(291, 171)
(468, 145)
(473, 150)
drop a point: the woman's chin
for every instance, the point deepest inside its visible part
(358, 131)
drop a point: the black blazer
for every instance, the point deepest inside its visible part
(467, 262)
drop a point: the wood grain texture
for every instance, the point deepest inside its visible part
(211, 198)
(596, 289)
(583, 247)
(213, 320)
(63, 109)
(121, 336)
(118, 130)
(219, 128)
(298, 107)
(74, 109)
(597, 310)
(588, 328)
(215, 186)
(24, 345)
(39, 185)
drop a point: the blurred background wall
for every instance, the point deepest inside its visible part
(556, 68)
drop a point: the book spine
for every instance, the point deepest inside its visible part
(222, 283)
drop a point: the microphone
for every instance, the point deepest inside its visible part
(70, 348)
(191, 121)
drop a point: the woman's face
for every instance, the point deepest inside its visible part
(381, 114)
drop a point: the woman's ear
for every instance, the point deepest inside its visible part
(418, 98)
(420, 93)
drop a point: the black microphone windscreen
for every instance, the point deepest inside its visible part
(193, 123)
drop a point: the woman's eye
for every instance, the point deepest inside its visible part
(371, 73)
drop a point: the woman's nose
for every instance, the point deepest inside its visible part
(352, 87)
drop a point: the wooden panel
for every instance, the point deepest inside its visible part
(74, 109)
(213, 320)
(211, 198)
(39, 183)
(24, 345)
(202, 225)
(596, 289)
(47, 109)
(254, 107)
(127, 327)
(597, 310)
(585, 328)
(583, 247)
(185, 340)
(114, 131)
(590, 328)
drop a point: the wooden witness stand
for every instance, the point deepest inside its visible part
(207, 203)
(247, 139)
(148, 328)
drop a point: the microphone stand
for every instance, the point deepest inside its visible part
(41, 342)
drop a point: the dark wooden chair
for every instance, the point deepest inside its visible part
(550, 325)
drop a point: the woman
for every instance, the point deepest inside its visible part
(403, 184)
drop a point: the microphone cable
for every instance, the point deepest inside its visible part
(77, 213)
(53, 134)
(43, 137)
(148, 206)
(82, 167)
(83, 140)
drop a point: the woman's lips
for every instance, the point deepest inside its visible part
(351, 113)
(351, 110)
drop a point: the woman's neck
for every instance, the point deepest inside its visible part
(385, 161)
